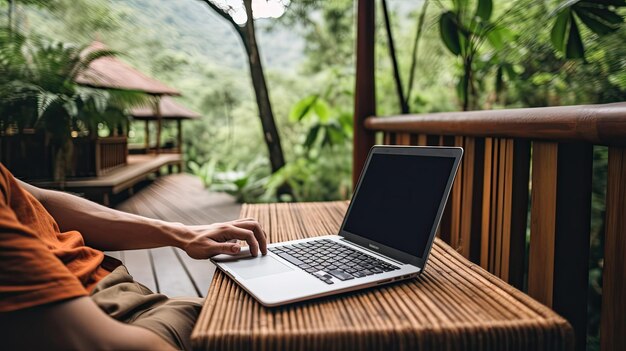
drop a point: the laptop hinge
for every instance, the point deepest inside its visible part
(374, 252)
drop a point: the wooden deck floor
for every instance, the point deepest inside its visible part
(177, 198)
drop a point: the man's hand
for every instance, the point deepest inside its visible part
(210, 240)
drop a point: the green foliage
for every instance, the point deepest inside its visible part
(600, 17)
(324, 177)
(463, 33)
(246, 182)
(38, 90)
(489, 53)
(319, 170)
(450, 32)
(326, 126)
(205, 172)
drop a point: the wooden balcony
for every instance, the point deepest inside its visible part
(537, 157)
(533, 162)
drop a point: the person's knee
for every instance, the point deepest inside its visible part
(173, 320)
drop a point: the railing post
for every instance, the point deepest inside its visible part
(504, 208)
(365, 94)
(98, 156)
(560, 224)
(147, 135)
(613, 323)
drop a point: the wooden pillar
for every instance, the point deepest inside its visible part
(559, 230)
(157, 113)
(613, 323)
(179, 136)
(179, 126)
(147, 135)
(365, 94)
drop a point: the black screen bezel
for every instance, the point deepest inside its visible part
(431, 151)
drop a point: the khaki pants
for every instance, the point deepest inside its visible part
(130, 302)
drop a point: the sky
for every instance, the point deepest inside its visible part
(260, 9)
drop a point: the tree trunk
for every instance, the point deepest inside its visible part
(404, 107)
(467, 77)
(270, 132)
(418, 35)
(62, 161)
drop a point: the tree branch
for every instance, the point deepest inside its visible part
(418, 35)
(404, 108)
(220, 11)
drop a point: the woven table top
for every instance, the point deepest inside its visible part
(453, 305)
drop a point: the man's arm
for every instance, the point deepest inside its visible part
(76, 324)
(108, 229)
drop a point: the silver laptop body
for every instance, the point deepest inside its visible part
(386, 234)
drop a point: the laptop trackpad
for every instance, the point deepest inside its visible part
(256, 267)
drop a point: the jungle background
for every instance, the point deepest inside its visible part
(525, 60)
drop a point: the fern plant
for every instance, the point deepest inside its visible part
(38, 90)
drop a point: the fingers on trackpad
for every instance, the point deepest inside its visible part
(256, 267)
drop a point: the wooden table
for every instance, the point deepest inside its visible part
(454, 305)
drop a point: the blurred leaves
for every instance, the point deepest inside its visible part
(38, 76)
(600, 17)
(484, 9)
(327, 127)
(449, 30)
(246, 182)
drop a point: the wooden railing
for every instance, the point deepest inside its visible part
(30, 156)
(486, 217)
(110, 153)
(96, 157)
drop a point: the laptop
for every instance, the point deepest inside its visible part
(386, 234)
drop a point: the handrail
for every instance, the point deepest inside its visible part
(112, 140)
(598, 124)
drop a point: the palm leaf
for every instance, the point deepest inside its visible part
(86, 57)
(45, 99)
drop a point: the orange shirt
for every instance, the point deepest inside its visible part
(38, 263)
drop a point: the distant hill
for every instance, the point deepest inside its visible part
(191, 27)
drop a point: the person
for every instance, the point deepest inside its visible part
(59, 291)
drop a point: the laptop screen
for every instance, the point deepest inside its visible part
(397, 202)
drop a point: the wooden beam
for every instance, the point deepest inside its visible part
(573, 226)
(613, 324)
(365, 94)
(519, 212)
(179, 137)
(157, 113)
(560, 224)
(147, 135)
(542, 225)
(597, 124)
(502, 221)
(478, 165)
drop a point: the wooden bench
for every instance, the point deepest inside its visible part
(453, 305)
(102, 188)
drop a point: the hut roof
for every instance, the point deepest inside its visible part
(170, 109)
(113, 73)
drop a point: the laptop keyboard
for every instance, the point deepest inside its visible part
(325, 259)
